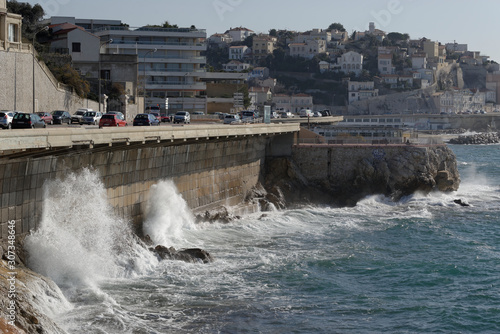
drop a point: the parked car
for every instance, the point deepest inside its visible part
(182, 117)
(77, 116)
(113, 118)
(306, 113)
(61, 116)
(325, 112)
(248, 115)
(47, 117)
(156, 115)
(165, 118)
(23, 120)
(285, 114)
(317, 114)
(232, 119)
(6, 118)
(145, 120)
(91, 118)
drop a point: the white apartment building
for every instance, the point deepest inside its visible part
(238, 52)
(351, 62)
(170, 63)
(235, 66)
(239, 34)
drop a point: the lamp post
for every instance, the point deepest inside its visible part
(34, 36)
(99, 70)
(144, 76)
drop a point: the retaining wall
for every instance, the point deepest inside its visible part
(206, 173)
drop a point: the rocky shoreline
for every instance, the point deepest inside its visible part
(477, 139)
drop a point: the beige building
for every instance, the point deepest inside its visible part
(431, 49)
(263, 45)
(10, 28)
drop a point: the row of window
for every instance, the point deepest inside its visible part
(372, 120)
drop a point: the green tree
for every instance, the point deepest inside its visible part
(336, 26)
(168, 25)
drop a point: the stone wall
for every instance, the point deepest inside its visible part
(16, 86)
(206, 173)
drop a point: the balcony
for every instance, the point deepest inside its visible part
(175, 85)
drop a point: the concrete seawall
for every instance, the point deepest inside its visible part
(206, 173)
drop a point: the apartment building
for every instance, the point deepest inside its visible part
(170, 64)
(238, 52)
(308, 49)
(239, 34)
(263, 45)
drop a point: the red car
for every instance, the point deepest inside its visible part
(46, 117)
(165, 118)
(112, 119)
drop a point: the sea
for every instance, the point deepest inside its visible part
(424, 264)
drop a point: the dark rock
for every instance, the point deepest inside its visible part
(477, 139)
(190, 255)
(460, 202)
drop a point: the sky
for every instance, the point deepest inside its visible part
(475, 23)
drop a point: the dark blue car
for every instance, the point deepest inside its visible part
(145, 120)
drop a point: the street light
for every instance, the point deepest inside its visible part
(144, 76)
(99, 70)
(34, 36)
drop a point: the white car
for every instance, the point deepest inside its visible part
(6, 119)
(306, 113)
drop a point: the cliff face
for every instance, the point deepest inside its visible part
(344, 175)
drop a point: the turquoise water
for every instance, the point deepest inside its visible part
(422, 265)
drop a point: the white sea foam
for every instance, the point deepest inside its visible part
(167, 216)
(80, 240)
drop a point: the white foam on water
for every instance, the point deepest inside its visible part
(81, 241)
(167, 216)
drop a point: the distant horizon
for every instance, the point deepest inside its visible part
(461, 22)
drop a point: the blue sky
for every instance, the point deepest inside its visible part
(474, 23)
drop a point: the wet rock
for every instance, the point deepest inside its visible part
(190, 255)
(461, 202)
(477, 139)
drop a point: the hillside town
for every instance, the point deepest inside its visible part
(171, 69)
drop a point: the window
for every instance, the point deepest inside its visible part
(13, 33)
(76, 47)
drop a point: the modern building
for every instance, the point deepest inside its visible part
(170, 63)
(10, 28)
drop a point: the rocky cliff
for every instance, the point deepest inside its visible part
(344, 175)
